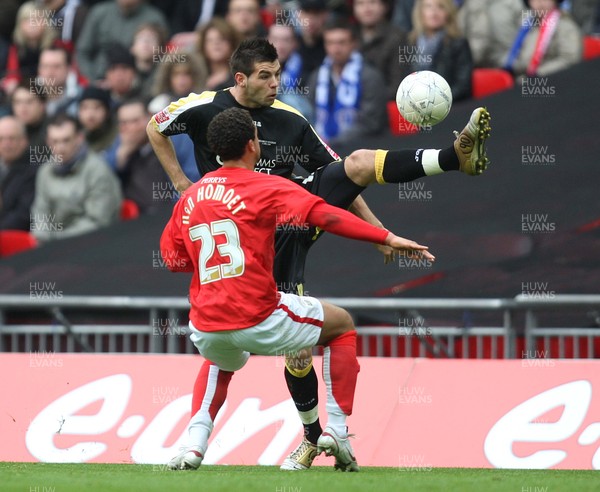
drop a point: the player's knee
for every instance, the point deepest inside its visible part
(359, 165)
(297, 363)
(346, 322)
(299, 355)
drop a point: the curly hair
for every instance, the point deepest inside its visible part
(229, 132)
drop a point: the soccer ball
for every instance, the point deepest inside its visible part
(424, 98)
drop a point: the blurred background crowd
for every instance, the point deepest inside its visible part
(79, 80)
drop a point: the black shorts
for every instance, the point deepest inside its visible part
(291, 246)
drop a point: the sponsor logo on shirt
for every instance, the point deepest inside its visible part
(162, 116)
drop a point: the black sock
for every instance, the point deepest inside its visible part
(304, 392)
(402, 166)
(448, 159)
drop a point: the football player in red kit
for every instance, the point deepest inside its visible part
(222, 229)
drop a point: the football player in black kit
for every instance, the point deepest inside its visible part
(287, 139)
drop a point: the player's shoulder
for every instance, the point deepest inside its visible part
(192, 100)
(287, 109)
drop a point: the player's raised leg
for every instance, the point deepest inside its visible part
(467, 154)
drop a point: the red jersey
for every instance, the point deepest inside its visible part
(223, 230)
(224, 227)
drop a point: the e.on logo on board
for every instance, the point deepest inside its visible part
(526, 424)
(87, 436)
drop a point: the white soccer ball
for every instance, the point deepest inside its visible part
(424, 98)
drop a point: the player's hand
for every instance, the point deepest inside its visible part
(403, 244)
(389, 253)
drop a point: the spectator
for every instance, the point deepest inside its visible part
(175, 80)
(585, 13)
(349, 94)
(96, 118)
(292, 89)
(189, 15)
(148, 50)
(436, 44)
(143, 179)
(59, 80)
(491, 28)
(244, 17)
(548, 41)
(67, 17)
(17, 175)
(402, 17)
(114, 21)
(379, 41)
(76, 192)
(312, 17)
(29, 107)
(216, 42)
(32, 34)
(122, 80)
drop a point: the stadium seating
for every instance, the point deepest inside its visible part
(398, 125)
(488, 81)
(14, 241)
(591, 47)
(129, 210)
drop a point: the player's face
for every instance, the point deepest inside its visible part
(261, 85)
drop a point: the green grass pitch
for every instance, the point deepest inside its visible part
(51, 477)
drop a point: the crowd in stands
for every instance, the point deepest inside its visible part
(80, 79)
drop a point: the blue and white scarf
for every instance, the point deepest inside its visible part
(337, 107)
(290, 75)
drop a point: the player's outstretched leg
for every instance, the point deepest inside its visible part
(467, 154)
(210, 391)
(470, 143)
(302, 384)
(340, 372)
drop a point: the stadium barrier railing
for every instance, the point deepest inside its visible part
(439, 328)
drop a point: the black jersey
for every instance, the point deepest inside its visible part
(286, 137)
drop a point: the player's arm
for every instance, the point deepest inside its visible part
(172, 246)
(338, 221)
(164, 150)
(360, 208)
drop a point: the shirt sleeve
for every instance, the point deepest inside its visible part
(182, 116)
(295, 205)
(318, 151)
(342, 223)
(172, 245)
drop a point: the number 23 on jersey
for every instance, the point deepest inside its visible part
(230, 248)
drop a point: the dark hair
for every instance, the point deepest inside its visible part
(61, 118)
(249, 53)
(134, 101)
(229, 132)
(33, 87)
(336, 22)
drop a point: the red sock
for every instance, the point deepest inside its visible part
(210, 389)
(340, 370)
